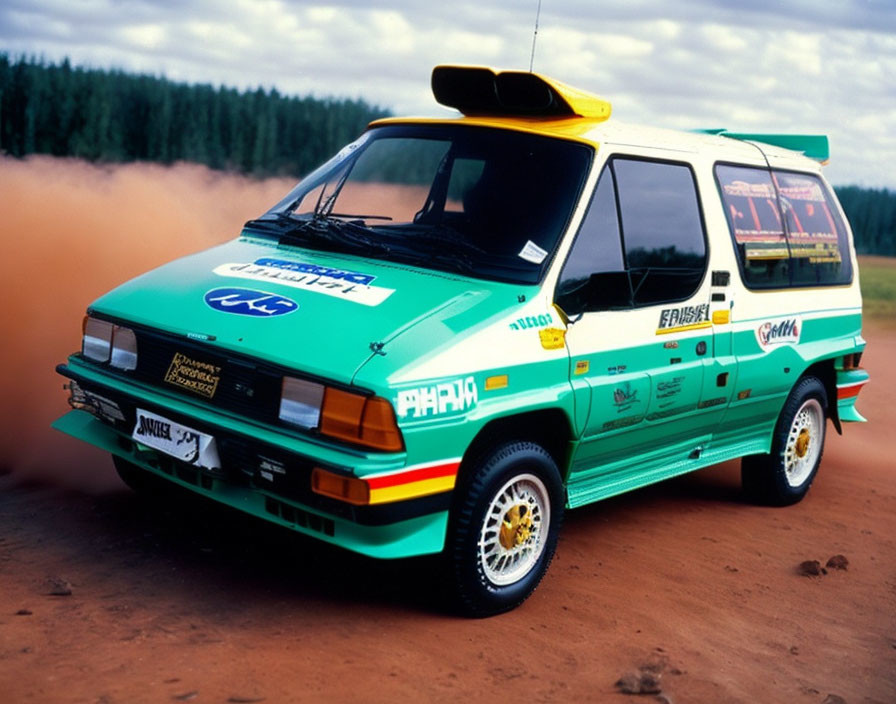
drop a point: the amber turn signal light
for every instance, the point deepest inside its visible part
(348, 489)
(364, 420)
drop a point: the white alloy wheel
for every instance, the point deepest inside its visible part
(514, 530)
(804, 442)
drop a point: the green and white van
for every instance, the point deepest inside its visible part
(456, 329)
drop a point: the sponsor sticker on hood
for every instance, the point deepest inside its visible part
(249, 301)
(349, 285)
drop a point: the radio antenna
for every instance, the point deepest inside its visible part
(534, 37)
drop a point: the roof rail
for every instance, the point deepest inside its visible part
(814, 146)
(482, 91)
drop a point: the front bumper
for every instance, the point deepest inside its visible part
(248, 452)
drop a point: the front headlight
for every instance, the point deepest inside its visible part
(105, 342)
(124, 348)
(300, 402)
(357, 418)
(97, 341)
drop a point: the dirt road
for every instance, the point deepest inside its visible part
(681, 579)
(106, 599)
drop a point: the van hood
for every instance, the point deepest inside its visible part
(322, 313)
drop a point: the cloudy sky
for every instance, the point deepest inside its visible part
(814, 66)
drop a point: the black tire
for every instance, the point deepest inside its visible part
(513, 498)
(783, 476)
(138, 479)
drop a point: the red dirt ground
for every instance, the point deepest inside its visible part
(682, 583)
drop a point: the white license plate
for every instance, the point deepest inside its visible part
(178, 441)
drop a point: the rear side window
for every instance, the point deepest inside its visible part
(641, 241)
(785, 228)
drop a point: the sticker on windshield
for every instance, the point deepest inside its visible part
(532, 253)
(350, 285)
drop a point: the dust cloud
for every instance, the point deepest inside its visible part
(71, 231)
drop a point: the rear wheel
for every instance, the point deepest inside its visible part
(784, 476)
(504, 528)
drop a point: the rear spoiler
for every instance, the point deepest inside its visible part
(483, 91)
(814, 146)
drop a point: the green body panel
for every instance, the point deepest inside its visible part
(329, 335)
(416, 536)
(709, 423)
(846, 407)
(530, 388)
(764, 378)
(634, 410)
(814, 146)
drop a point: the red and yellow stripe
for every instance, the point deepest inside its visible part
(413, 482)
(850, 390)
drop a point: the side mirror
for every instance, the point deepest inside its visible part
(605, 290)
(609, 290)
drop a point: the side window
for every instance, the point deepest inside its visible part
(809, 248)
(594, 276)
(662, 230)
(641, 241)
(819, 249)
(751, 206)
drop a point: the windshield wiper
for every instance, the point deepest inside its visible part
(335, 234)
(279, 223)
(328, 231)
(359, 217)
(449, 261)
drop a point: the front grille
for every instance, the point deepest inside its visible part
(243, 386)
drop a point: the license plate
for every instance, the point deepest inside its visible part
(178, 441)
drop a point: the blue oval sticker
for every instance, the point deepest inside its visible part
(248, 301)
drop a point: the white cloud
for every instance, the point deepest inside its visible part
(148, 36)
(724, 38)
(800, 66)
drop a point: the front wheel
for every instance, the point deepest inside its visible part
(504, 528)
(784, 476)
(139, 480)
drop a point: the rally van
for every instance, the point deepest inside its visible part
(456, 329)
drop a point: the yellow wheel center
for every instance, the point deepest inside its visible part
(802, 443)
(516, 527)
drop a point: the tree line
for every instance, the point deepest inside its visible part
(113, 116)
(872, 214)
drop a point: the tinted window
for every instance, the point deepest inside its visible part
(662, 231)
(819, 249)
(641, 240)
(810, 246)
(596, 250)
(751, 206)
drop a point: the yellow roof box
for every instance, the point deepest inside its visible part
(479, 91)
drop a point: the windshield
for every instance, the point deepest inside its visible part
(478, 201)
